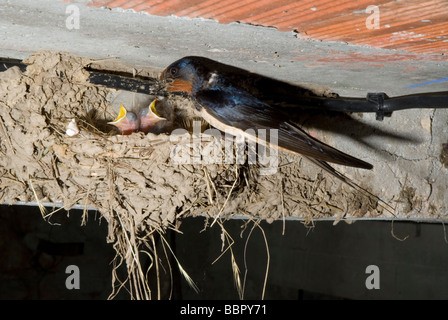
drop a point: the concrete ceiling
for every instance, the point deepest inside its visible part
(414, 26)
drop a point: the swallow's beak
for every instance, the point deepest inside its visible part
(126, 122)
(149, 117)
(163, 75)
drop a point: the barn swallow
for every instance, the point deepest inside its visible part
(142, 120)
(228, 107)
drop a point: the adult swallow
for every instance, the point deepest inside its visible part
(227, 106)
(141, 120)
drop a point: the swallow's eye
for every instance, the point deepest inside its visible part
(173, 71)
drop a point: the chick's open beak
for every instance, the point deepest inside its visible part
(149, 117)
(126, 122)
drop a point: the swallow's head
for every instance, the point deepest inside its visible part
(149, 117)
(126, 122)
(184, 75)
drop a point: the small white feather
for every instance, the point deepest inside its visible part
(212, 78)
(72, 128)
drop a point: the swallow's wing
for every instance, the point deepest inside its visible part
(233, 108)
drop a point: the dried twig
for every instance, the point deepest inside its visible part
(2, 126)
(228, 197)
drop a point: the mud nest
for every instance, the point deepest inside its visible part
(132, 180)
